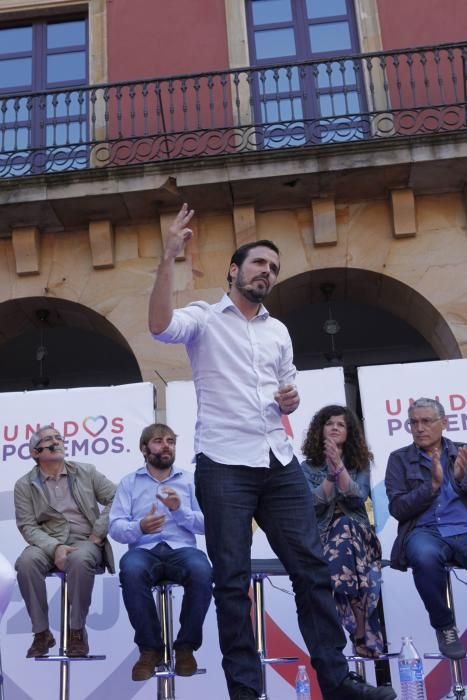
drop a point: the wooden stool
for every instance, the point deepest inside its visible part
(166, 677)
(458, 690)
(62, 656)
(261, 569)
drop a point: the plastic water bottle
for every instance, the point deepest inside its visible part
(302, 684)
(411, 672)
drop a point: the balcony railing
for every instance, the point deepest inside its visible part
(304, 104)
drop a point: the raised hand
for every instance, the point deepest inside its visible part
(161, 299)
(179, 233)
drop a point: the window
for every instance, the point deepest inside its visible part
(43, 115)
(304, 102)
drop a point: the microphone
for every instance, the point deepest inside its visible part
(52, 448)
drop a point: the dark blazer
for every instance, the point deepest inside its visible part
(408, 487)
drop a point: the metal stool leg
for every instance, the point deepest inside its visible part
(62, 657)
(260, 632)
(64, 635)
(360, 668)
(166, 682)
(458, 690)
(258, 592)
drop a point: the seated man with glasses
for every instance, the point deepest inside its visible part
(57, 512)
(426, 484)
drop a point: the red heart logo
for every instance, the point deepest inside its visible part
(94, 425)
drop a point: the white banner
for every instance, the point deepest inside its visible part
(386, 392)
(317, 388)
(101, 426)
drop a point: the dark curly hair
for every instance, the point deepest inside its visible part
(356, 454)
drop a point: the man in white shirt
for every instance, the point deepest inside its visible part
(243, 371)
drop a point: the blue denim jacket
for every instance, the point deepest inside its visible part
(352, 502)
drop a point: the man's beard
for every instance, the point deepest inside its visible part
(160, 461)
(250, 292)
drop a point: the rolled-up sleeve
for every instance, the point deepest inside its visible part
(185, 325)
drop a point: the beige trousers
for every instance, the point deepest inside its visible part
(34, 564)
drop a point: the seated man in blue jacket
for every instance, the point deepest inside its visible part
(426, 484)
(156, 513)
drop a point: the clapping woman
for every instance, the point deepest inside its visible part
(337, 469)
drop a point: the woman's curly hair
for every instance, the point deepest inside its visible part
(355, 455)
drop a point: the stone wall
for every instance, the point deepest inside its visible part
(432, 260)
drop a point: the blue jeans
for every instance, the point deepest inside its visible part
(427, 553)
(280, 501)
(141, 569)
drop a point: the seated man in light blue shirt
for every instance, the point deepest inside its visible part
(156, 513)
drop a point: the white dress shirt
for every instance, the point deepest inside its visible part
(238, 365)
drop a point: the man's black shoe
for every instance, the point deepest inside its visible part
(353, 687)
(449, 643)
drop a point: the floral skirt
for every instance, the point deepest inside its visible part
(354, 555)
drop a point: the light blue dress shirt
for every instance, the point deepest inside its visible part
(135, 495)
(238, 366)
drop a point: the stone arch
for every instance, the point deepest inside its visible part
(82, 348)
(373, 302)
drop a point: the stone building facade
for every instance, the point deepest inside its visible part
(373, 231)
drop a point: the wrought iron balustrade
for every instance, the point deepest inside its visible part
(309, 103)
